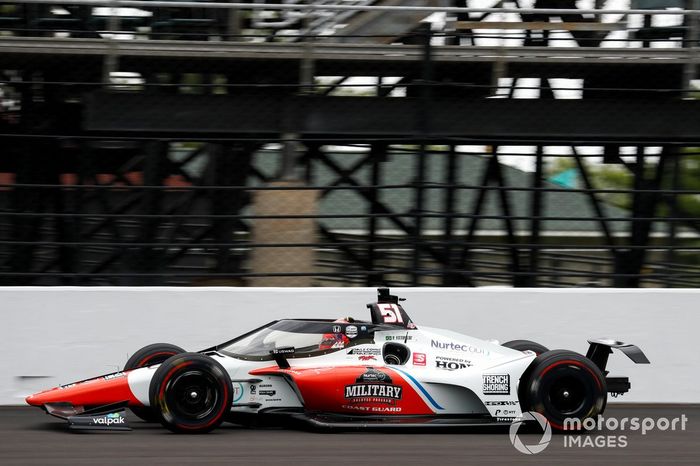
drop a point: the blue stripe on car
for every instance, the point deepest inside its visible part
(420, 387)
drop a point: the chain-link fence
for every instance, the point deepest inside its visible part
(348, 143)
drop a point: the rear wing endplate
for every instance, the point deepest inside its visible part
(601, 348)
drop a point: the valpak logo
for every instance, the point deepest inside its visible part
(112, 419)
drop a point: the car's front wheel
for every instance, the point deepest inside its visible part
(565, 387)
(148, 356)
(191, 393)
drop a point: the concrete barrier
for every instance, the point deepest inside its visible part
(58, 335)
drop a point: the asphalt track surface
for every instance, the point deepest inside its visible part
(30, 437)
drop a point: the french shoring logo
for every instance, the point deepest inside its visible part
(537, 447)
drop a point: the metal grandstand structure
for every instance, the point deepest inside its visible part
(346, 142)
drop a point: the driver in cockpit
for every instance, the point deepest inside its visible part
(335, 340)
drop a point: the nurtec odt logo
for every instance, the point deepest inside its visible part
(538, 447)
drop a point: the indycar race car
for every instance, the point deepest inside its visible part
(384, 372)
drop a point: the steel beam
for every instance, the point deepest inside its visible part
(348, 53)
(595, 120)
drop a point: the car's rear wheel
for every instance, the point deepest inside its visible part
(191, 393)
(526, 345)
(149, 356)
(563, 385)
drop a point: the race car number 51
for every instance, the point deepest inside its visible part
(391, 314)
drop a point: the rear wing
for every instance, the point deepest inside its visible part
(600, 350)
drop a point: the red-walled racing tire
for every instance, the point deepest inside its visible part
(191, 393)
(148, 356)
(563, 385)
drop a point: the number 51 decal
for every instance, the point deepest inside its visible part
(391, 314)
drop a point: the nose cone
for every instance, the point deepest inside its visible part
(99, 391)
(48, 396)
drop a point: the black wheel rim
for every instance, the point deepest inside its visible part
(193, 394)
(567, 395)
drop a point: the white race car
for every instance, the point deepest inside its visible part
(344, 373)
